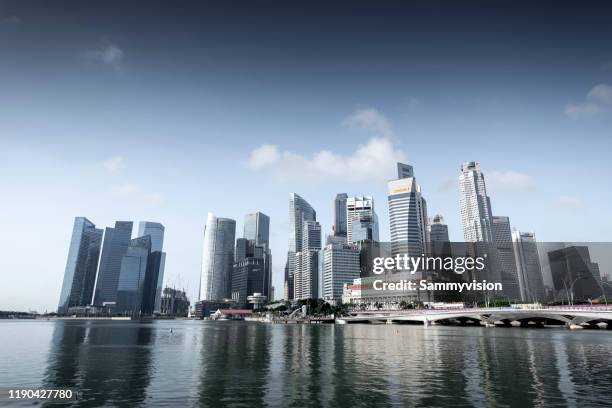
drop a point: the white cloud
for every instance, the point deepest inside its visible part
(598, 100)
(509, 181)
(263, 156)
(114, 164)
(371, 120)
(109, 54)
(375, 160)
(569, 201)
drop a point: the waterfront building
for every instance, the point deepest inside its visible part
(360, 211)
(475, 204)
(573, 275)
(81, 264)
(131, 291)
(217, 258)
(528, 266)
(340, 216)
(248, 277)
(407, 213)
(299, 211)
(257, 228)
(476, 217)
(340, 265)
(116, 241)
(506, 259)
(306, 283)
(156, 231)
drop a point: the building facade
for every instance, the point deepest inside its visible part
(116, 241)
(360, 210)
(217, 258)
(340, 265)
(299, 212)
(528, 266)
(506, 258)
(131, 291)
(407, 213)
(81, 265)
(340, 229)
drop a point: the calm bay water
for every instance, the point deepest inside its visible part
(241, 364)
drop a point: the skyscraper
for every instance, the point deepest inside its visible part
(528, 266)
(340, 229)
(340, 266)
(505, 257)
(131, 286)
(257, 228)
(360, 209)
(407, 213)
(437, 230)
(475, 204)
(299, 211)
(81, 265)
(116, 241)
(217, 258)
(307, 262)
(156, 231)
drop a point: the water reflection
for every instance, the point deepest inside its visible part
(109, 363)
(240, 364)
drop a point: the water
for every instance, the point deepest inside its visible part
(242, 364)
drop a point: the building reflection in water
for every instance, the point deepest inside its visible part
(108, 363)
(233, 364)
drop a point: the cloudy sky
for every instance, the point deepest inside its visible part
(146, 111)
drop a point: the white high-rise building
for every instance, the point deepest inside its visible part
(475, 204)
(299, 211)
(358, 208)
(217, 258)
(306, 282)
(340, 266)
(407, 213)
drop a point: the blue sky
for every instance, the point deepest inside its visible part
(163, 114)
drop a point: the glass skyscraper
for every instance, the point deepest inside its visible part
(116, 241)
(340, 229)
(156, 231)
(81, 265)
(407, 213)
(257, 228)
(131, 286)
(217, 258)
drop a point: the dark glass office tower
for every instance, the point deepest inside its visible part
(257, 228)
(80, 272)
(340, 228)
(156, 231)
(116, 241)
(131, 286)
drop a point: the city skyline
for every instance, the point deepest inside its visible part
(117, 114)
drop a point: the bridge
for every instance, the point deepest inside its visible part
(571, 316)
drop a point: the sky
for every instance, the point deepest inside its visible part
(166, 111)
